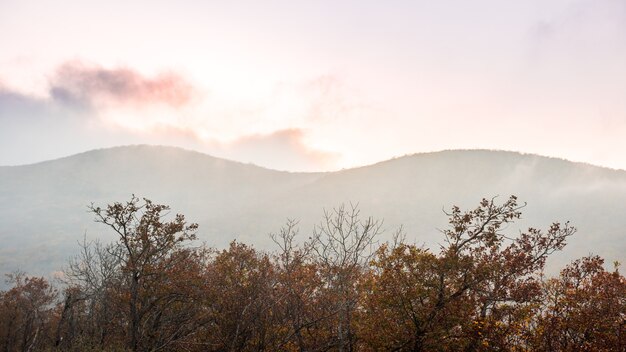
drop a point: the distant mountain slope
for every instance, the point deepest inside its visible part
(43, 206)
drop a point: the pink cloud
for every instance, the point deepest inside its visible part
(86, 85)
(282, 149)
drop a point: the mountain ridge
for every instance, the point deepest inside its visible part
(43, 205)
(416, 154)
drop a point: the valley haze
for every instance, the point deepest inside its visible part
(43, 206)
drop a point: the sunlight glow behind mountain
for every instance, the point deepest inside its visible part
(314, 86)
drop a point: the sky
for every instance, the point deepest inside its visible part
(314, 85)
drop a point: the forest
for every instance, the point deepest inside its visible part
(338, 288)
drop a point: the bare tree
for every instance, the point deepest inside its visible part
(343, 245)
(297, 290)
(91, 277)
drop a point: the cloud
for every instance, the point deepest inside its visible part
(88, 106)
(34, 129)
(78, 84)
(583, 28)
(328, 99)
(282, 149)
(325, 98)
(14, 104)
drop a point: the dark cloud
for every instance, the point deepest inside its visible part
(16, 104)
(34, 129)
(78, 84)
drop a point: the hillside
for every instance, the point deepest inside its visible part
(43, 206)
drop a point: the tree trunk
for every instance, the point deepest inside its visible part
(134, 316)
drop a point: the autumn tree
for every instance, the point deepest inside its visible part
(462, 296)
(160, 276)
(239, 300)
(482, 290)
(584, 309)
(26, 312)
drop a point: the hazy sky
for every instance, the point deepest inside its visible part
(314, 85)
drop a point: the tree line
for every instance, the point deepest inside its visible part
(340, 289)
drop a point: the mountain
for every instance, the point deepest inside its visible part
(43, 207)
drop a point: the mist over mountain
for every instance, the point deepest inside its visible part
(43, 207)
